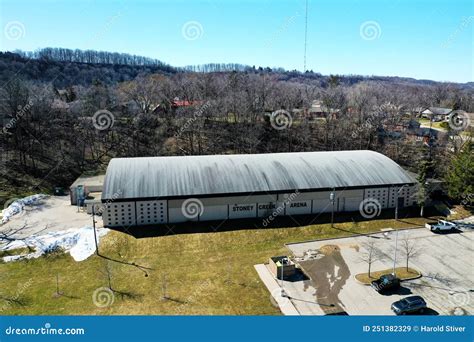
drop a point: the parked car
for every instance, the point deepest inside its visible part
(410, 304)
(385, 282)
(442, 225)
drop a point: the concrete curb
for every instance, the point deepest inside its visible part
(286, 307)
(351, 236)
(407, 279)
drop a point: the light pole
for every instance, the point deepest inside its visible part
(281, 280)
(396, 234)
(331, 198)
(395, 256)
(396, 201)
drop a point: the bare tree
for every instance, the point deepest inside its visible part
(107, 273)
(409, 248)
(371, 254)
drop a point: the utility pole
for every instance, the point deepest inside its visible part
(281, 280)
(305, 36)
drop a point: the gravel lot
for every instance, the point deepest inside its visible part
(53, 214)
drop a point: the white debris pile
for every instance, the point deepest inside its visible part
(78, 242)
(17, 206)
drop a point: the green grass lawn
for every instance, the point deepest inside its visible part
(206, 273)
(442, 125)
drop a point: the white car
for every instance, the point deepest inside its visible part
(442, 225)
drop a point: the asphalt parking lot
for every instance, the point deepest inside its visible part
(445, 261)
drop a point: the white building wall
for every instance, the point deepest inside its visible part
(379, 194)
(388, 197)
(298, 207)
(236, 207)
(151, 212)
(214, 212)
(119, 214)
(266, 209)
(242, 210)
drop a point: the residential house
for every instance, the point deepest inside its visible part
(436, 113)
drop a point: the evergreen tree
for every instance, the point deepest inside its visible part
(460, 176)
(424, 168)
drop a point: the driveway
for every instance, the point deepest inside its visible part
(52, 214)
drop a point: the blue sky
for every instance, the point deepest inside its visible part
(414, 38)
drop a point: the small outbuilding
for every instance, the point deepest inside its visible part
(84, 185)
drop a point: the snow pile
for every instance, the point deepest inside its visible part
(18, 206)
(78, 242)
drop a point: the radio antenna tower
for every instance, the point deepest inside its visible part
(305, 36)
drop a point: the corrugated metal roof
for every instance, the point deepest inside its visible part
(247, 173)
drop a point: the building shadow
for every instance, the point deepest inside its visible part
(293, 221)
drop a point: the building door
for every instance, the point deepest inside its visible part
(401, 202)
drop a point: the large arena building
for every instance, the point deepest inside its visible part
(162, 190)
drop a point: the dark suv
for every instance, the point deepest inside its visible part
(409, 305)
(385, 283)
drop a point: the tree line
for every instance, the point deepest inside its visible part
(49, 136)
